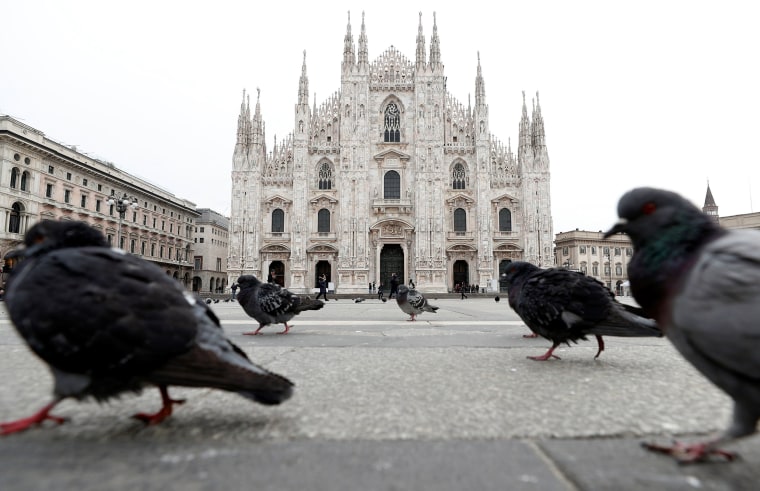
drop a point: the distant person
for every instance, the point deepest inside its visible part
(270, 278)
(322, 283)
(234, 288)
(464, 287)
(394, 286)
(411, 283)
(380, 291)
(370, 287)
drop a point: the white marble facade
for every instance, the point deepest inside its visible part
(390, 174)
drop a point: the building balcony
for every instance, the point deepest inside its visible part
(324, 236)
(460, 236)
(277, 236)
(384, 205)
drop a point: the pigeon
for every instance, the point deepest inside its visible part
(496, 298)
(358, 300)
(701, 283)
(563, 306)
(413, 302)
(108, 322)
(269, 303)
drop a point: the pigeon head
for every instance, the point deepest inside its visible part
(247, 281)
(516, 270)
(403, 289)
(648, 213)
(48, 235)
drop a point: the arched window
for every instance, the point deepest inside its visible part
(323, 221)
(25, 181)
(14, 177)
(505, 220)
(458, 176)
(278, 221)
(460, 221)
(392, 124)
(392, 185)
(325, 176)
(14, 223)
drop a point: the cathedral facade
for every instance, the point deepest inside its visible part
(391, 174)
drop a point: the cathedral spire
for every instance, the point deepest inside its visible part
(244, 122)
(480, 89)
(257, 131)
(349, 53)
(363, 52)
(303, 85)
(421, 57)
(538, 137)
(525, 136)
(710, 208)
(435, 47)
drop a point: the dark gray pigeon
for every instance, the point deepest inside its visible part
(107, 322)
(701, 283)
(413, 302)
(564, 306)
(269, 303)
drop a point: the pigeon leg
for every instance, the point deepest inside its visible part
(690, 453)
(163, 413)
(546, 355)
(287, 328)
(411, 318)
(532, 335)
(35, 419)
(253, 333)
(600, 342)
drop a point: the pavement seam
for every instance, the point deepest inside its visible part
(552, 465)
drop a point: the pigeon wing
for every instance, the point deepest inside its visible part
(416, 299)
(717, 309)
(275, 300)
(113, 312)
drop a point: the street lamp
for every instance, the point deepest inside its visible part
(122, 205)
(609, 262)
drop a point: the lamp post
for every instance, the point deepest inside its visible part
(609, 262)
(122, 205)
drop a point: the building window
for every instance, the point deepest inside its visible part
(51, 169)
(617, 251)
(83, 201)
(198, 263)
(153, 250)
(132, 244)
(565, 251)
(161, 252)
(595, 269)
(14, 221)
(618, 270)
(278, 221)
(200, 240)
(460, 221)
(202, 230)
(392, 185)
(593, 250)
(68, 176)
(48, 190)
(25, 181)
(323, 221)
(458, 176)
(97, 205)
(14, 177)
(505, 220)
(219, 264)
(67, 196)
(100, 187)
(605, 251)
(628, 251)
(84, 182)
(582, 249)
(134, 216)
(325, 176)
(142, 248)
(392, 124)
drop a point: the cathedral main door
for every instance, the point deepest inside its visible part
(391, 261)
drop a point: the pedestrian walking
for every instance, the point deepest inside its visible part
(464, 287)
(380, 291)
(394, 286)
(234, 288)
(322, 287)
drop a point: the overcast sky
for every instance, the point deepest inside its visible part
(659, 93)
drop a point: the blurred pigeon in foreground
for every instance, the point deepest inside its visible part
(413, 302)
(564, 306)
(107, 322)
(701, 283)
(269, 303)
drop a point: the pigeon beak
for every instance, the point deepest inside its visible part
(620, 226)
(20, 251)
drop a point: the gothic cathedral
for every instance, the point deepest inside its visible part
(391, 174)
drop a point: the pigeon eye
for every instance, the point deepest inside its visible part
(648, 208)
